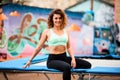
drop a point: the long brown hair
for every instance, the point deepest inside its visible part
(60, 12)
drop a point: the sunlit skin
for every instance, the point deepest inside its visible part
(57, 20)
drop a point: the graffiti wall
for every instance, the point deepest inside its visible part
(24, 25)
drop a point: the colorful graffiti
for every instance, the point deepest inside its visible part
(25, 25)
(104, 41)
(3, 41)
(29, 32)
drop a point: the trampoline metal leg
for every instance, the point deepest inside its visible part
(92, 77)
(89, 76)
(47, 76)
(73, 76)
(81, 76)
(5, 75)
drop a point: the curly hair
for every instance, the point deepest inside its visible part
(63, 15)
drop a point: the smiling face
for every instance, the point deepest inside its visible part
(57, 20)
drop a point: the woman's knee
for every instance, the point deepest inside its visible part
(89, 65)
(83, 63)
(67, 67)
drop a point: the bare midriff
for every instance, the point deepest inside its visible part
(56, 49)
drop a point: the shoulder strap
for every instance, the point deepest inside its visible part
(51, 32)
(65, 31)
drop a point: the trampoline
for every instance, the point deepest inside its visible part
(39, 66)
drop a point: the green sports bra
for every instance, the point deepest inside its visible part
(56, 40)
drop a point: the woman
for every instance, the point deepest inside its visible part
(58, 43)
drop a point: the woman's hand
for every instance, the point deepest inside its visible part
(73, 63)
(27, 64)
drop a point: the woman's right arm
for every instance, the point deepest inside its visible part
(38, 48)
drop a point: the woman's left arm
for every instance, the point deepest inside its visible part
(73, 62)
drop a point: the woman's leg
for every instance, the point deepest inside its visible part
(82, 64)
(62, 66)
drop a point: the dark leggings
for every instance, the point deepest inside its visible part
(63, 63)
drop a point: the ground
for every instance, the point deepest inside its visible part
(40, 76)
